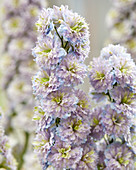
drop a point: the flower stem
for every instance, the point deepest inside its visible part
(24, 151)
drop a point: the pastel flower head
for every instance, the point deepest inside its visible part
(119, 156)
(70, 27)
(124, 100)
(42, 144)
(124, 69)
(74, 29)
(45, 83)
(71, 71)
(63, 155)
(73, 130)
(48, 52)
(44, 23)
(100, 75)
(95, 120)
(42, 120)
(115, 123)
(89, 158)
(83, 105)
(60, 103)
(113, 50)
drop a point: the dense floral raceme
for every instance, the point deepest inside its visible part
(65, 131)
(17, 20)
(121, 22)
(113, 76)
(7, 161)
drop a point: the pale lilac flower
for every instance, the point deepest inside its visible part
(89, 158)
(119, 156)
(70, 26)
(83, 105)
(60, 103)
(114, 123)
(71, 71)
(122, 66)
(44, 23)
(73, 130)
(42, 144)
(100, 75)
(95, 120)
(42, 120)
(113, 50)
(45, 83)
(48, 52)
(124, 100)
(63, 155)
(124, 69)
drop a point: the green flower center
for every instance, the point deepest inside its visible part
(76, 125)
(65, 152)
(127, 99)
(117, 119)
(78, 26)
(99, 76)
(88, 157)
(58, 99)
(123, 162)
(83, 103)
(95, 121)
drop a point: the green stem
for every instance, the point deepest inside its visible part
(24, 151)
(61, 38)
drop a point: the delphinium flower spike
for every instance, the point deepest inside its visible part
(17, 66)
(62, 137)
(113, 76)
(121, 23)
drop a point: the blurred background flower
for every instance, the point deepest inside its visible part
(18, 36)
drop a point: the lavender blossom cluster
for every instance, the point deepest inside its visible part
(7, 161)
(121, 21)
(18, 19)
(113, 78)
(63, 130)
